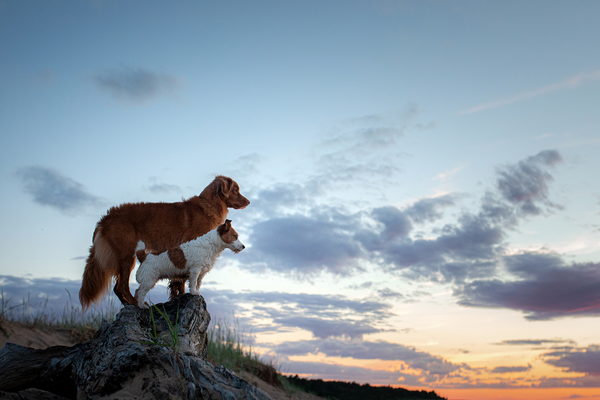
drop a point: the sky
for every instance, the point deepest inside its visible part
(425, 208)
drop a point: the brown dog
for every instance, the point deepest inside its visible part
(160, 226)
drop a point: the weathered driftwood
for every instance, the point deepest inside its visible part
(124, 360)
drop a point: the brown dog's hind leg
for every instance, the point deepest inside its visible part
(122, 286)
(119, 292)
(176, 288)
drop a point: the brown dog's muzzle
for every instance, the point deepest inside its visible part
(241, 203)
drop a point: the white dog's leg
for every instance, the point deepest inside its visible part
(199, 282)
(142, 291)
(194, 275)
(200, 277)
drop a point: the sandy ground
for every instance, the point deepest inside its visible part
(38, 337)
(43, 337)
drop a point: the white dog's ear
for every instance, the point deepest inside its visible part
(225, 227)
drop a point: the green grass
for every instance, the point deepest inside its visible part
(171, 341)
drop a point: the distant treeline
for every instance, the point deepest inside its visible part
(336, 390)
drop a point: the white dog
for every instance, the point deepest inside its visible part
(191, 260)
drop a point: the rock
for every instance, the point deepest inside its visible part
(140, 355)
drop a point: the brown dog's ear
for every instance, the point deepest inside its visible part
(224, 185)
(227, 225)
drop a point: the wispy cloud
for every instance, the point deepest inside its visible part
(243, 166)
(504, 370)
(51, 188)
(323, 315)
(157, 187)
(366, 350)
(446, 175)
(135, 85)
(365, 150)
(534, 342)
(569, 83)
(160, 188)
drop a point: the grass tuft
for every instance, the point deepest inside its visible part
(226, 346)
(71, 316)
(172, 340)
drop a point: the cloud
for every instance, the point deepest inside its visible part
(135, 85)
(428, 209)
(325, 328)
(471, 247)
(322, 315)
(459, 252)
(306, 246)
(545, 288)
(444, 176)
(364, 151)
(335, 241)
(284, 199)
(163, 188)
(365, 350)
(569, 83)
(50, 188)
(504, 370)
(582, 360)
(526, 183)
(387, 293)
(244, 166)
(533, 342)
(297, 236)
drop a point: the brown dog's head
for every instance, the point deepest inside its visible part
(229, 191)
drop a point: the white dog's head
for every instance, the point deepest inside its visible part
(230, 237)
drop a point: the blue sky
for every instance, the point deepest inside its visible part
(425, 208)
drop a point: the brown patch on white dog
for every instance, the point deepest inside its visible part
(177, 257)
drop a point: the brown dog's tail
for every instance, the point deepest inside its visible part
(97, 274)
